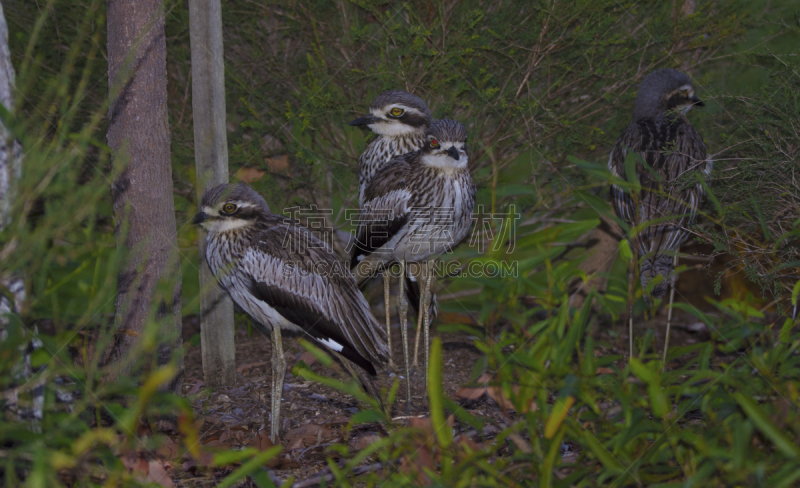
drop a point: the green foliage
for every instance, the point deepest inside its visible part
(756, 184)
(724, 417)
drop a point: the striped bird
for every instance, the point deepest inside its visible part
(288, 280)
(400, 120)
(416, 208)
(667, 150)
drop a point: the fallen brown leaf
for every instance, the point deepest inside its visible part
(262, 442)
(249, 175)
(604, 371)
(148, 471)
(310, 435)
(413, 468)
(278, 164)
(363, 441)
(307, 358)
(169, 450)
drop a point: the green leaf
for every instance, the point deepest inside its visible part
(318, 353)
(795, 292)
(786, 330)
(773, 433)
(557, 415)
(233, 457)
(366, 417)
(436, 395)
(250, 467)
(599, 450)
(652, 377)
(631, 175)
(550, 459)
(625, 250)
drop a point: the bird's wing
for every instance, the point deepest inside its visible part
(671, 150)
(300, 277)
(385, 209)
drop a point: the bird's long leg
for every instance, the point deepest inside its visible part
(386, 277)
(425, 308)
(631, 265)
(669, 310)
(402, 308)
(278, 372)
(421, 317)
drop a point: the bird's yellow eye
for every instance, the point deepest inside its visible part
(229, 208)
(685, 93)
(397, 112)
(434, 143)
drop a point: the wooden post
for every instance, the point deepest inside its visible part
(211, 163)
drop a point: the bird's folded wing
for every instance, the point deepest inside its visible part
(670, 152)
(300, 277)
(385, 210)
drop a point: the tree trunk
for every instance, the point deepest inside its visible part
(149, 283)
(211, 162)
(10, 172)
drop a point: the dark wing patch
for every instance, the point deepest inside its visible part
(383, 214)
(297, 311)
(301, 277)
(374, 235)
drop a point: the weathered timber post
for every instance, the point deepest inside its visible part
(211, 162)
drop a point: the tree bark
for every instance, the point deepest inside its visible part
(149, 282)
(211, 162)
(10, 172)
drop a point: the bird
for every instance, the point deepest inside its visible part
(416, 208)
(400, 119)
(668, 153)
(286, 279)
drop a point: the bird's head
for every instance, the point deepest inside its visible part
(446, 145)
(665, 91)
(229, 207)
(396, 113)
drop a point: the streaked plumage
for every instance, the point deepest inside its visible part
(419, 206)
(285, 278)
(400, 120)
(416, 208)
(396, 134)
(661, 134)
(669, 195)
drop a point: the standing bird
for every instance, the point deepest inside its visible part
(668, 151)
(287, 279)
(415, 208)
(400, 119)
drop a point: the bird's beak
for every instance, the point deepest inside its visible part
(453, 152)
(199, 218)
(365, 120)
(697, 101)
